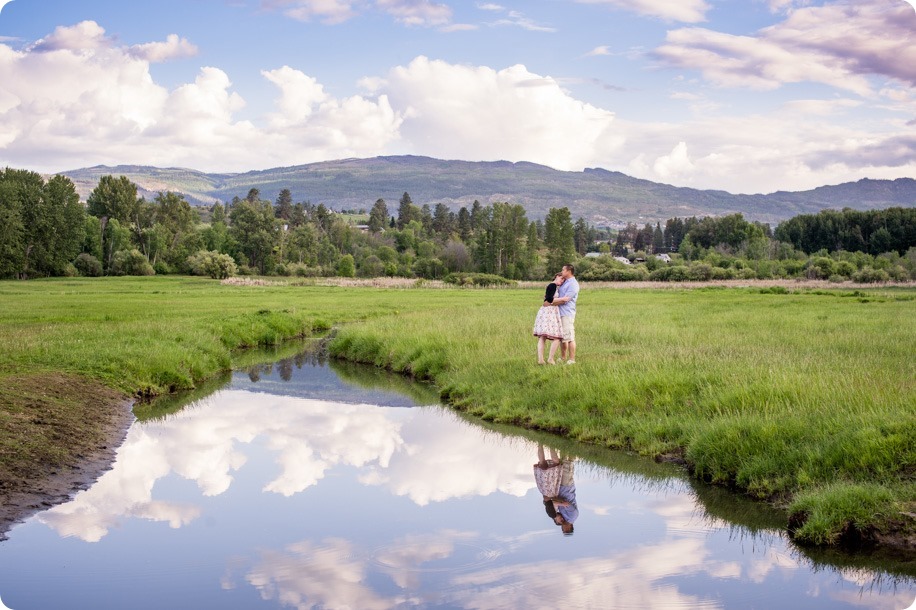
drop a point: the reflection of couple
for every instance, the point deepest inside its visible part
(556, 318)
(554, 479)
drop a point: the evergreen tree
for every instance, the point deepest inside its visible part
(559, 239)
(580, 236)
(378, 216)
(284, 206)
(443, 220)
(464, 224)
(658, 239)
(406, 211)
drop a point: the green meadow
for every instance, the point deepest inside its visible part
(805, 398)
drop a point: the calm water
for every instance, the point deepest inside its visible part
(309, 485)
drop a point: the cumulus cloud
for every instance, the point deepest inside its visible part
(838, 44)
(75, 98)
(687, 11)
(457, 111)
(173, 48)
(84, 36)
(674, 164)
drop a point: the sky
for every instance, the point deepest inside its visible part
(753, 96)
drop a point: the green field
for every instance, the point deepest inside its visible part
(804, 398)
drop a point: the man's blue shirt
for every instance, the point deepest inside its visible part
(570, 288)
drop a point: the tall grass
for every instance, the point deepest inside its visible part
(781, 394)
(774, 394)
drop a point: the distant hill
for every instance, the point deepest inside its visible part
(600, 196)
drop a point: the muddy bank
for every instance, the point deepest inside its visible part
(58, 434)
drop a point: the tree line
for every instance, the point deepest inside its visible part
(46, 231)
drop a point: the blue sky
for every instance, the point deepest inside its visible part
(752, 96)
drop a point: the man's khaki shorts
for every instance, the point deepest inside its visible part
(569, 328)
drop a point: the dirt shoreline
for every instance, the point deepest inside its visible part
(30, 486)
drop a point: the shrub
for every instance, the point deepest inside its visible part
(245, 270)
(477, 279)
(700, 272)
(70, 270)
(429, 268)
(131, 262)
(88, 265)
(162, 268)
(346, 267)
(670, 274)
(845, 268)
(746, 274)
(212, 263)
(868, 275)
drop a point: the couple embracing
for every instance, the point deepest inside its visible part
(557, 317)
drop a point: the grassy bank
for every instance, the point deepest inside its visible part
(804, 397)
(807, 399)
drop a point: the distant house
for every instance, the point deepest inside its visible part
(592, 254)
(362, 228)
(622, 259)
(663, 257)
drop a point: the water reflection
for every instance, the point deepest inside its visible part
(303, 484)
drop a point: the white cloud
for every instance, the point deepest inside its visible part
(416, 12)
(459, 27)
(675, 164)
(397, 449)
(457, 111)
(328, 11)
(84, 36)
(173, 48)
(602, 50)
(75, 99)
(517, 19)
(406, 12)
(688, 11)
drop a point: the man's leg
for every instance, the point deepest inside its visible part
(571, 350)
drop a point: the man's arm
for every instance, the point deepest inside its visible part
(561, 300)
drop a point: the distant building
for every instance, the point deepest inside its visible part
(622, 259)
(663, 257)
(592, 254)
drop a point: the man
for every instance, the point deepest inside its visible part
(566, 301)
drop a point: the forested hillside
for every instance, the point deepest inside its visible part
(599, 196)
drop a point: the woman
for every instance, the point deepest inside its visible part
(547, 324)
(554, 479)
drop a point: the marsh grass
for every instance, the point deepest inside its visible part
(772, 393)
(780, 393)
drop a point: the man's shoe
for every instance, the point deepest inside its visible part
(570, 362)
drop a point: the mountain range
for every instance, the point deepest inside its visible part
(601, 197)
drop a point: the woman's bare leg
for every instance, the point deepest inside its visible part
(542, 461)
(541, 341)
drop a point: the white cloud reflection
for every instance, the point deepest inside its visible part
(208, 442)
(413, 454)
